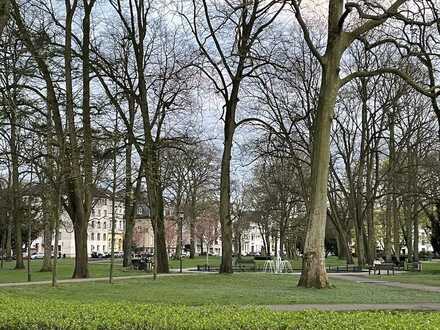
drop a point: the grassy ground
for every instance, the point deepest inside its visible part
(240, 289)
(215, 261)
(430, 275)
(65, 270)
(101, 268)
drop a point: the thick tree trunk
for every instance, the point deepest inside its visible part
(267, 243)
(129, 199)
(192, 223)
(371, 236)
(157, 217)
(409, 226)
(370, 201)
(9, 239)
(130, 212)
(388, 229)
(128, 241)
(16, 198)
(416, 239)
(225, 186)
(192, 240)
(314, 273)
(47, 241)
(179, 229)
(81, 255)
(4, 14)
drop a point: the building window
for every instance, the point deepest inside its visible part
(120, 225)
(93, 224)
(93, 211)
(99, 224)
(99, 213)
(139, 210)
(98, 236)
(93, 248)
(103, 248)
(97, 248)
(105, 225)
(105, 213)
(104, 237)
(93, 236)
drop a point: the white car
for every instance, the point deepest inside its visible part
(37, 256)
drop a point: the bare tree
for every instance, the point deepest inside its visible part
(227, 62)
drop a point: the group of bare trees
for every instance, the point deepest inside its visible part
(343, 117)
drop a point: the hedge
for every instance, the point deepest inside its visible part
(26, 313)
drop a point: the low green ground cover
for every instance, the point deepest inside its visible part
(19, 313)
(238, 289)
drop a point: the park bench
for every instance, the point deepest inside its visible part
(415, 266)
(243, 265)
(207, 268)
(142, 264)
(378, 267)
(344, 269)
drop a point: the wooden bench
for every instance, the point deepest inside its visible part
(415, 266)
(378, 267)
(243, 265)
(142, 264)
(344, 269)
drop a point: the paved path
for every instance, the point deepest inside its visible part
(95, 279)
(355, 307)
(367, 280)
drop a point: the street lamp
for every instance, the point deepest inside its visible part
(181, 215)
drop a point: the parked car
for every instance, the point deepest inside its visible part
(35, 256)
(119, 254)
(96, 255)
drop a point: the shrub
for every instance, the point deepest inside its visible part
(25, 313)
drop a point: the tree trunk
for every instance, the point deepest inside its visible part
(416, 239)
(130, 203)
(4, 14)
(157, 217)
(192, 240)
(395, 215)
(47, 241)
(314, 273)
(16, 197)
(225, 194)
(81, 256)
(267, 243)
(388, 229)
(179, 229)
(9, 239)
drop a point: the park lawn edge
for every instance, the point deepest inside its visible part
(39, 313)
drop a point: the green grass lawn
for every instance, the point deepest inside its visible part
(101, 268)
(240, 289)
(215, 261)
(65, 270)
(430, 275)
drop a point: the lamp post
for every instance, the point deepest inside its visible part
(181, 239)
